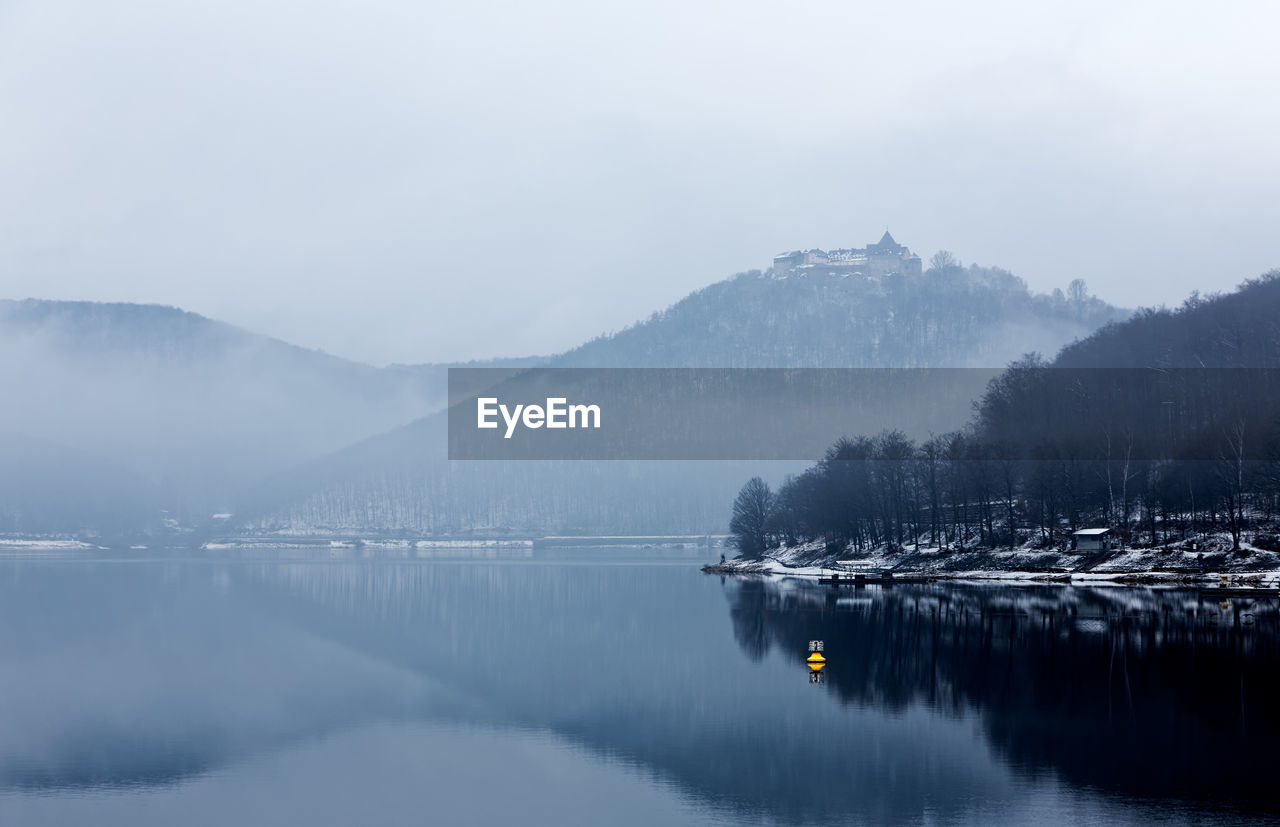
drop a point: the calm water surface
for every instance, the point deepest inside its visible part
(593, 690)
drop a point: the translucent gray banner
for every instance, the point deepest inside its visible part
(695, 413)
(785, 414)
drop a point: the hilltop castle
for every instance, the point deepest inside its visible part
(883, 258)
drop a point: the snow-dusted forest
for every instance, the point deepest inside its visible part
(1164, 428)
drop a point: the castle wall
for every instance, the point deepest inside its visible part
(871, 260)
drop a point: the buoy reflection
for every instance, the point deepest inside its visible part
(816, 661)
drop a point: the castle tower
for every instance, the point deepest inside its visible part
(885, 246)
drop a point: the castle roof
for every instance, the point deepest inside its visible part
(886, 246)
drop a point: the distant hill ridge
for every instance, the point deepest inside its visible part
(1240, 329)
(943, 317)
(949, 316)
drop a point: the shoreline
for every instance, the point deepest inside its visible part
(1209, 561)
(1263, 580)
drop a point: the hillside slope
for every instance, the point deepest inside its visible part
(953, 317)
(185, 409)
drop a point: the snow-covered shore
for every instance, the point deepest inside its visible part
(38, 544)
(1167, 564)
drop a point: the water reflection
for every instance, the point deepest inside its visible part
(1163, 694)
(956, 703)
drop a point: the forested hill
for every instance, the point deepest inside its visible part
(1163, 428)
(1239, 329)
(948, 317)
(1195, 383)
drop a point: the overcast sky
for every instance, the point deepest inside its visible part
(415, 181)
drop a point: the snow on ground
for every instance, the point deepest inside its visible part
(474, 544)
(353, 542)
(1170, 563)
(52, 545)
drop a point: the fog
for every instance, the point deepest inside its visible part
(113, 402)
(399, 182)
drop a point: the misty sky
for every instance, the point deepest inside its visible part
(410, 181)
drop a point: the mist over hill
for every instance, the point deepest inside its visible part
(948, 316)
(178, 409)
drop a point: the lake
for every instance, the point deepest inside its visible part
(609, 687)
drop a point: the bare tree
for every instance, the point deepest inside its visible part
(1232, 473)
(943, 260)
(751, 512)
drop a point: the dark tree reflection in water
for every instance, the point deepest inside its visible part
(750, 626)
(1160, 694)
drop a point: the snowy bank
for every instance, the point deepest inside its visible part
(1172, 564)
